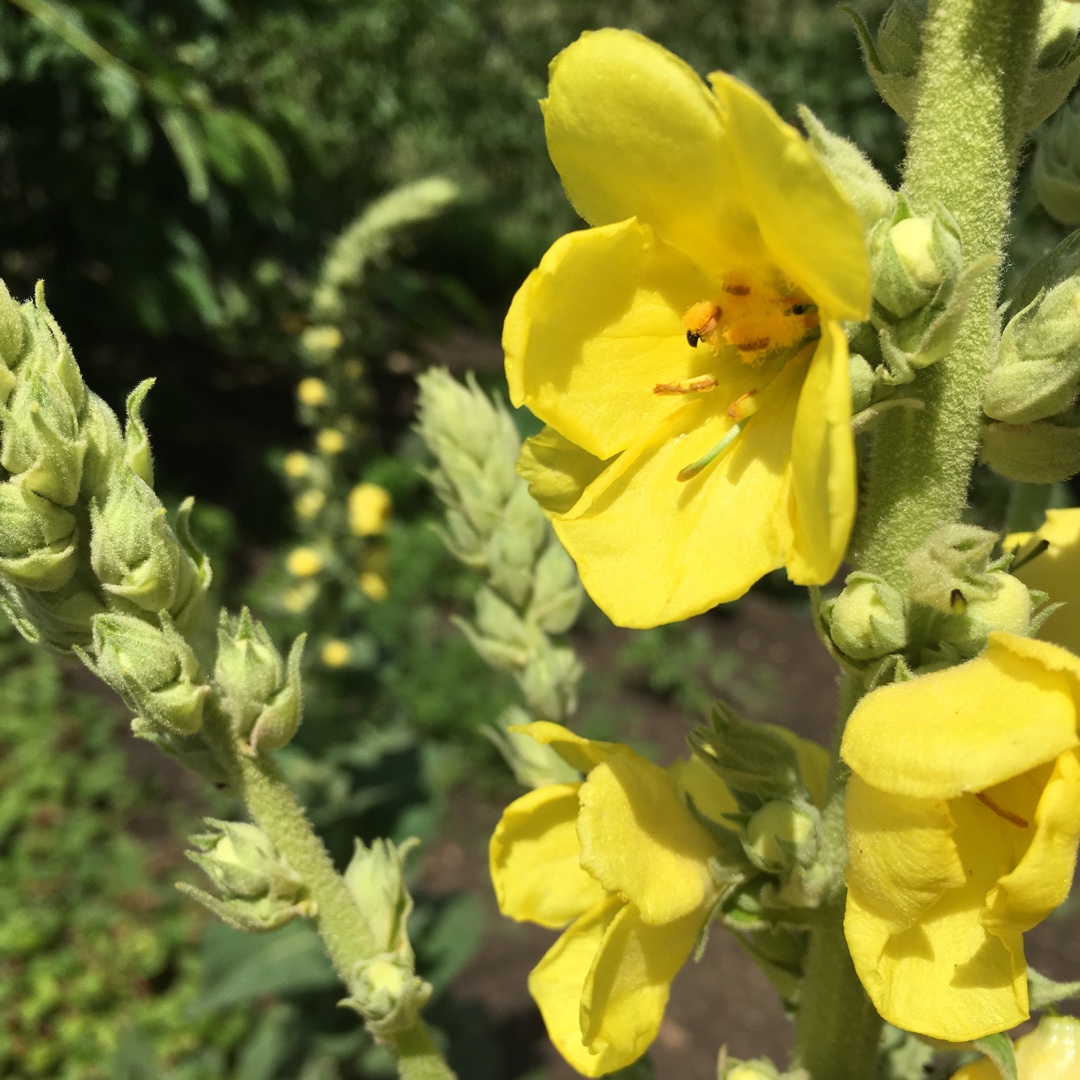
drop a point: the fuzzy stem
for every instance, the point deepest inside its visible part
(962, 153)
(339, 922)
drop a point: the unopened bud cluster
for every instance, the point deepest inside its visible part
(531, 593)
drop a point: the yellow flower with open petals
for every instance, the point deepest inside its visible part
(1056, 571)
(622, 861)
(963, 814)
(686, 351)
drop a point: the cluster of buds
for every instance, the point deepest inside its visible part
(892, 57)
(957, 595)
(531, 594)
(1033, 429)
(257, 889)
(385, 988)
(89, 561)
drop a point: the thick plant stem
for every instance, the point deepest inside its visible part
(339, 922)
(962, 153)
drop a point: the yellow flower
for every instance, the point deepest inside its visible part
(312, 392)
(303, 562)
(321, 339)
(298, 598)
(1057, 572)
(308, 503)
(369, 509)
(686, 352)
(374, 586)
(335, 653)
(963, 813)
(1050, 1052)
(296, 465)
(622, 861)
(330, 441)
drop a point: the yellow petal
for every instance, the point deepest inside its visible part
(628, 985)
(823, 458)
(535, 859)
(599, 324)
(640, 841)
(634, 132)
(557, 471)
(557, 984)
(580, 753)
(946, 977)
(694, 544)
(1044, 874)
(901, 856)
(812, 231)
(1057, 572)
(969, 727)
(698, 781)
(814, 764)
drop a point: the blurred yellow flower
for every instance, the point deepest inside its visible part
(312, 392)
(303, 562)
(1050, 1052)
(309, 503)
(298, 598)
(963, 814)
(330, 441)
(373, 585)
(369, 509)
(321, 339)
(335, 653)
(1056, 571)
(622, 861)
(296, 465)
(686, 352)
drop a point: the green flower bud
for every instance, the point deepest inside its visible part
(280, 720)
(154, 670)
(913, 260)
(136, 437)
(12, 341)
(1057, 62)
(892, 60)
(861, 182)
(500, 635)
(243, 864)
(862, 379)
(104, 446)
(868, 619)
(1040, 453)
(38, 540)
(133, 549)
(59, 619)
(782, 835)
(557, 592)
(532, 764)
(260, 692)
(512, 547)
(387, 993)
(1007, 607)
(375, 878)
(953, 566)
(549, 681)
(1055, 174)
(1037, 374)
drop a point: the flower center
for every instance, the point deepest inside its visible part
(758, 317)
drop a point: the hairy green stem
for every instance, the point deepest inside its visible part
(339, 922)
(962, 153)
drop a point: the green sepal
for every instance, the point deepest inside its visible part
(999, 1049)
(556, 470)
(136, 437)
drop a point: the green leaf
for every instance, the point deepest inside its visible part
(242, 967)
(183, 136)
(999, 1049)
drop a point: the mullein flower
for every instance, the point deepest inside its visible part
(686, 351)
(963, 813)
(1055, 571)
(370, 507)
(622, 863)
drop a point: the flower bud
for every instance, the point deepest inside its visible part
(1037, 374)
(861, 376)
(375, 878)
(868, 619)
(280, 720)
(861, 182)
(38, 540)
(259, 890)
(13, 338)
(782, 835)
(533, 764)
(1007, 607)
(153, 669)
(136, 437)
(1055, 173)
(953, 566)
(59, 619)
(1040, 453)
(248, 671)
(388, 994)
(549, 681)
(369, 509)
(892, 60)
(511, 550)
(1057, 62)
(104, 446)
(133, 549)
(557, 592)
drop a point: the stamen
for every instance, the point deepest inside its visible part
(1008, 815)
(701, 385)
(737, 289)
(743, 407)
(703, 462)
(752, 346)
